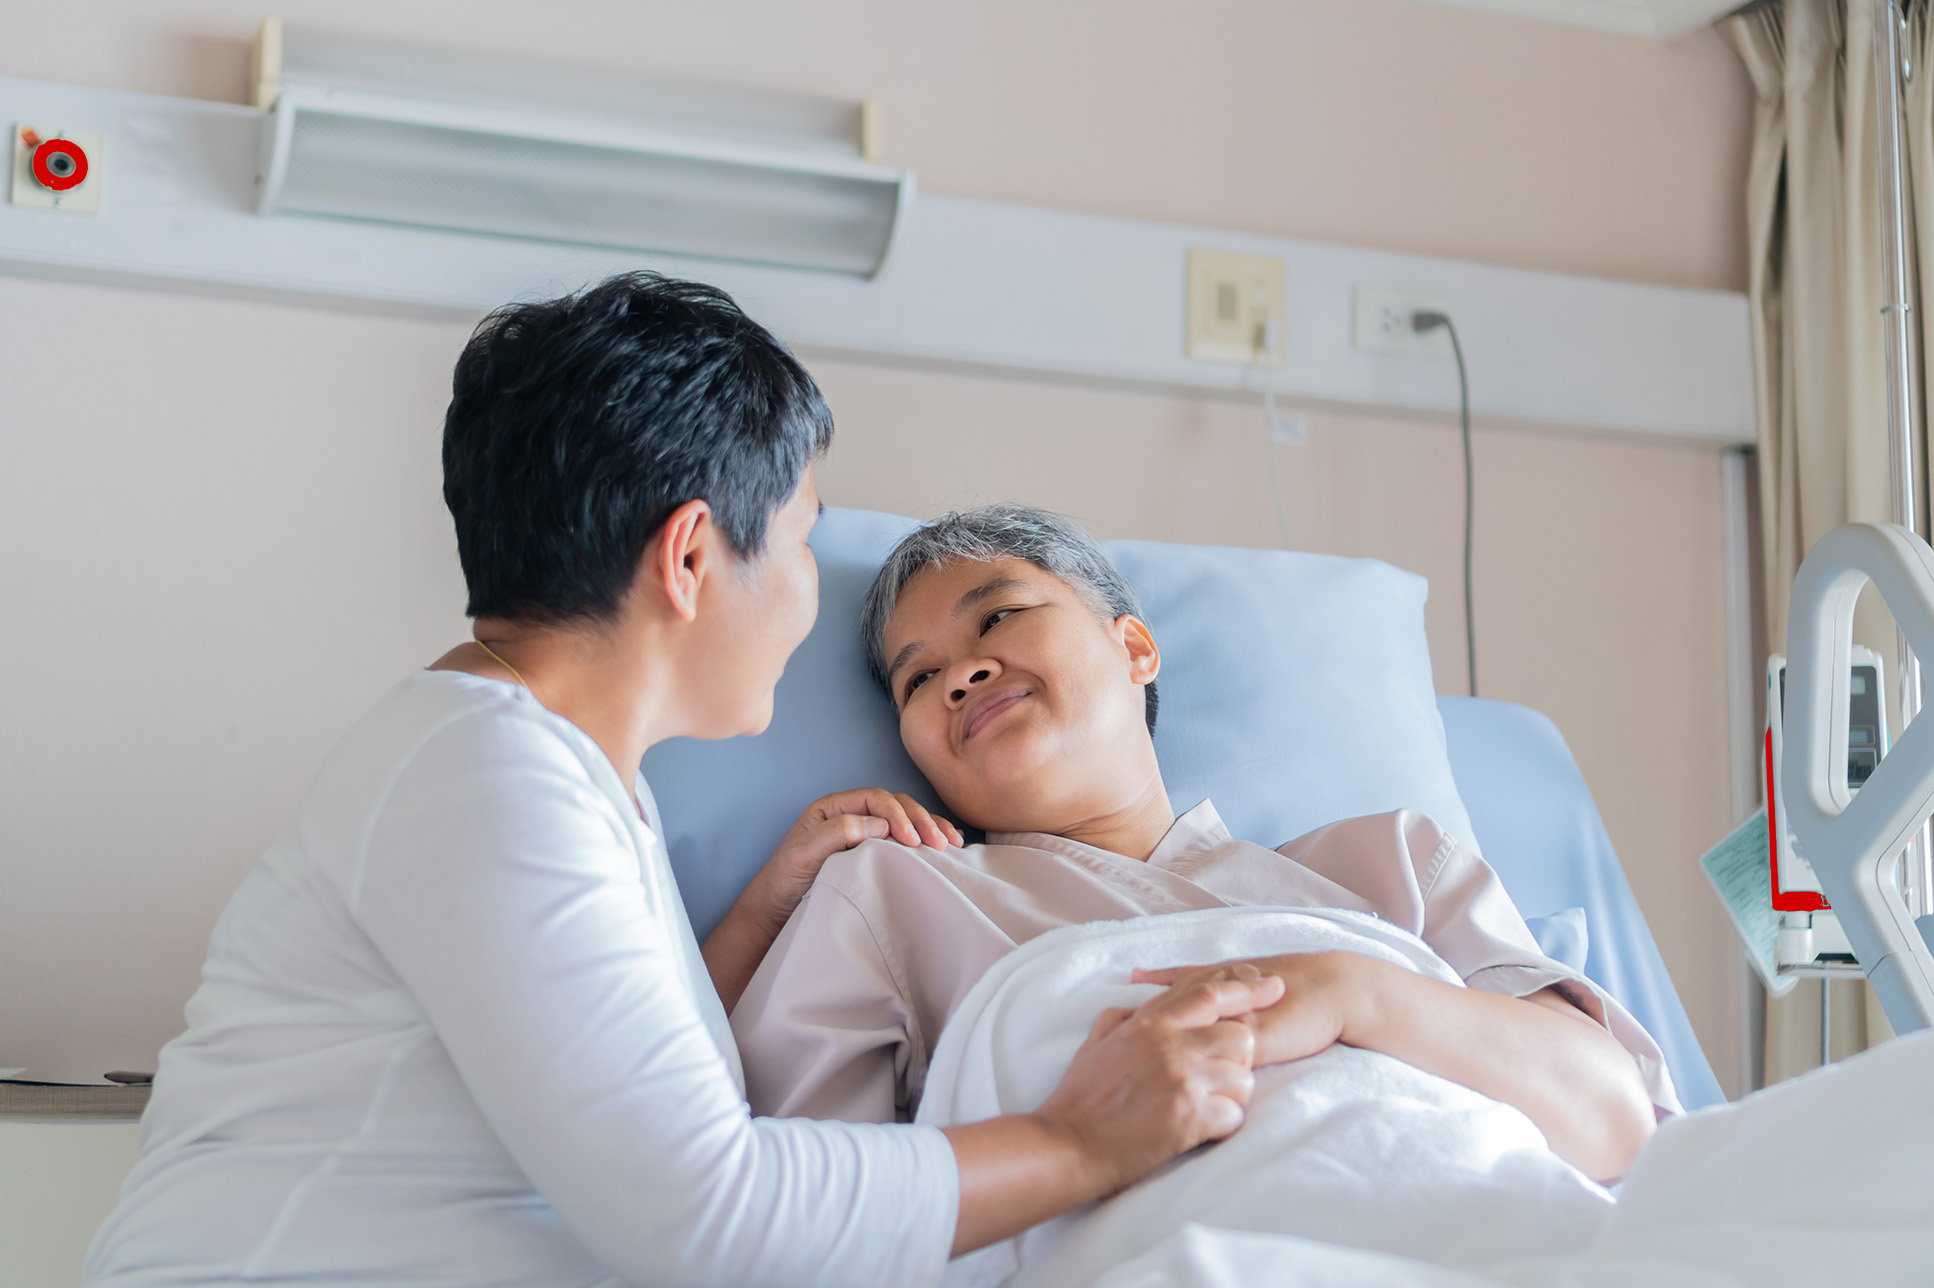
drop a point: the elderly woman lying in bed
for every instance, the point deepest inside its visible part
(1025, 683)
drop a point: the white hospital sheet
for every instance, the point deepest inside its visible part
(1349, 1146)
(1821, 1180)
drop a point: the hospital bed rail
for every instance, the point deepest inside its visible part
(1853, 839)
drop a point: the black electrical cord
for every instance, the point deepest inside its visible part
(1429, 320)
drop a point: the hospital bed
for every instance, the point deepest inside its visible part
(1295, 690)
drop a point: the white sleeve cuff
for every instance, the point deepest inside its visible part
(921, 1228)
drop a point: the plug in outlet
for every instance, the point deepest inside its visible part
(1382, 322)
(1233, 300)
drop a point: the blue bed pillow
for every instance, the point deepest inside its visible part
(1562, 937)
(1296, 690)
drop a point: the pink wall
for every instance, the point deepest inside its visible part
(235, 539)
(1371, 122)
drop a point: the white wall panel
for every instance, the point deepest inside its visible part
(972, 283)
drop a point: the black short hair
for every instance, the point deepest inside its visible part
(577, 425)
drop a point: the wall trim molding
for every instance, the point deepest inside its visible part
(973, 285)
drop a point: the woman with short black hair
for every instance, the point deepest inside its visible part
(455, 1028)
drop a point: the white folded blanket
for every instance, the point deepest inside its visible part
(1349, 1147)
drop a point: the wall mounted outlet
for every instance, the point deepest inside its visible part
(57, 169)
(1233, 301)
(1382, 322)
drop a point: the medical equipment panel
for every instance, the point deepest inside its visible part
(1810, 936)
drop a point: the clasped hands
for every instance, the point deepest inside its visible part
(1325, 999)
(1179, 1070)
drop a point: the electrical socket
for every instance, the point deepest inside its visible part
(1382, 322)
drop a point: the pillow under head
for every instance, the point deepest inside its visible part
(1296, 690)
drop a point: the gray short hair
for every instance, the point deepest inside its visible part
(1051, 542)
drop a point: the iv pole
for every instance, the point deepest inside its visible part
(1890, 69)
(1856, 841)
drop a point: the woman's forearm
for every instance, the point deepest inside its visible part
(734, 950)
(1016, 1172)
(1541, 1054)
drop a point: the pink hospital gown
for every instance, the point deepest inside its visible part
(842, 1017)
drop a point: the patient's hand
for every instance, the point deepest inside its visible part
(1314, 1013)
(1540, 1053)
(830, 824)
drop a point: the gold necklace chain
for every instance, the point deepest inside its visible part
(500, 662)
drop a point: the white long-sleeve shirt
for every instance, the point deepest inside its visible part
(454, 1029)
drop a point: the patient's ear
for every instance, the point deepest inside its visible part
(1144, 658)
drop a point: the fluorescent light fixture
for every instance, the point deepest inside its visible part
(362, 128)
(1653, 19)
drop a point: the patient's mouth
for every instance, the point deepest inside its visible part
(989, 708)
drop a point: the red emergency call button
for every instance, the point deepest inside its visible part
(59, 164)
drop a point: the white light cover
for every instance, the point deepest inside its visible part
(1654, 19)
(476, 145)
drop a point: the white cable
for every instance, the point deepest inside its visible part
(1271, 330)
(1428, 320)
(1275, 474)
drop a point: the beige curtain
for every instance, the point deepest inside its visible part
(1813, 224)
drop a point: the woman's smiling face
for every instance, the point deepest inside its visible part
(1021, 704)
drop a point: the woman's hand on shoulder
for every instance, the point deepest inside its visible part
(834, 823)
(908, 821)
(830, 824)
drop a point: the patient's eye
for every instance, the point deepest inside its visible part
(915, 680)
(995, 618)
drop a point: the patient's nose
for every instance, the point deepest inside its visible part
(968, 675)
